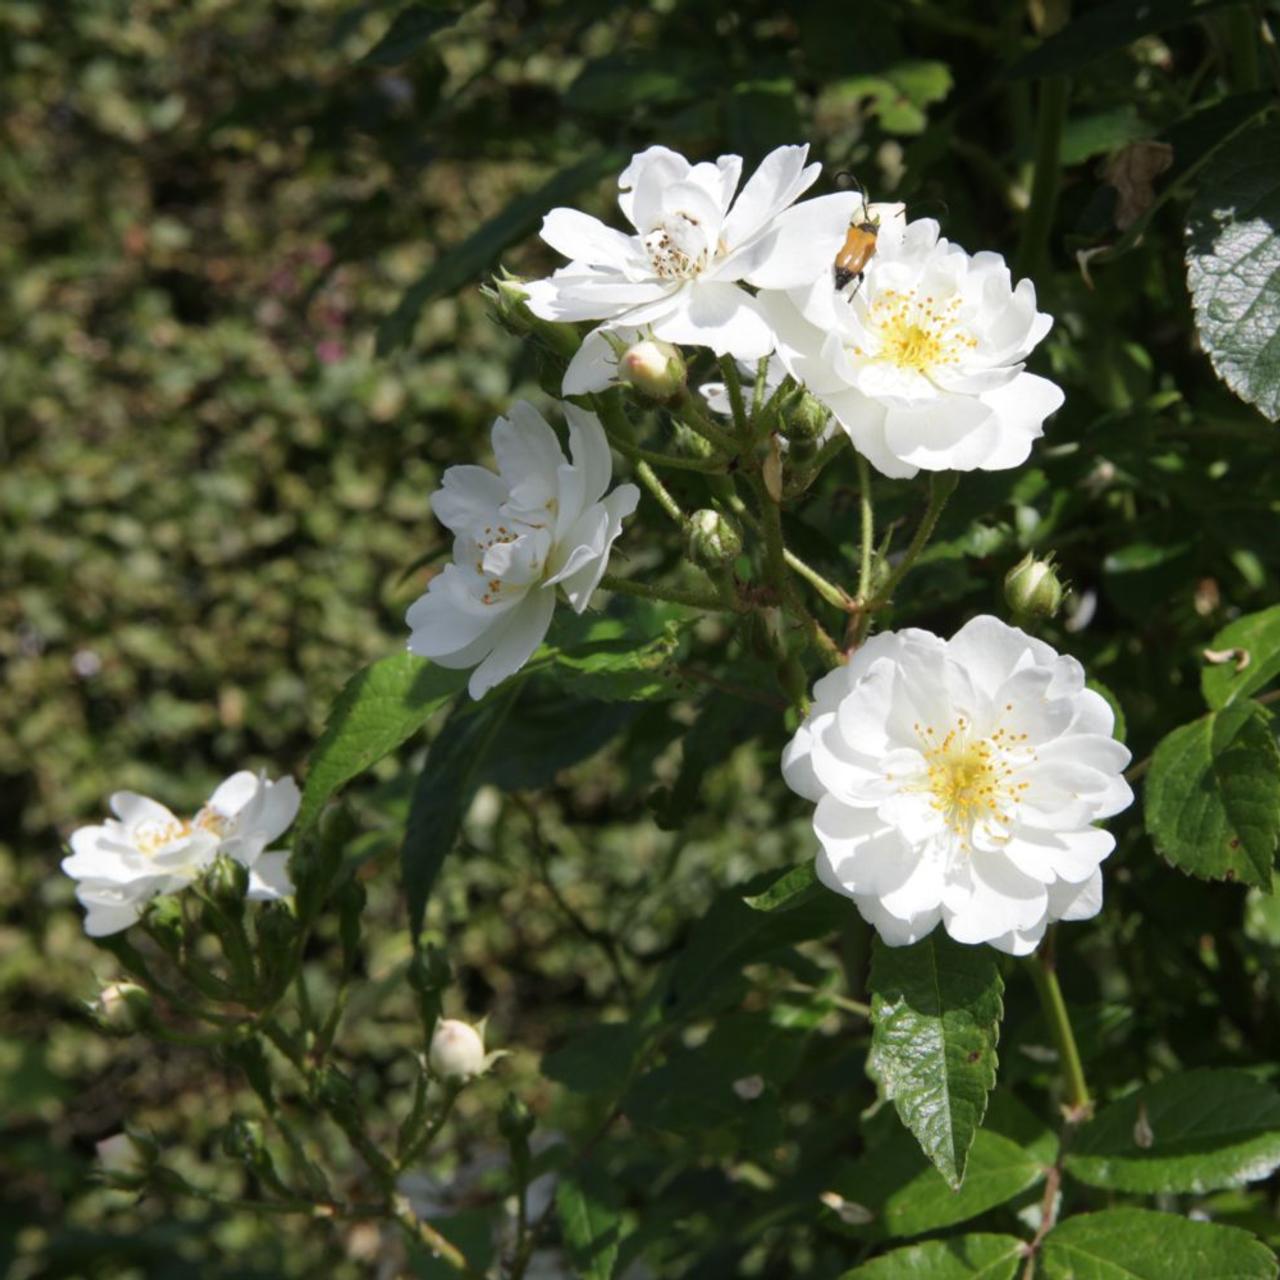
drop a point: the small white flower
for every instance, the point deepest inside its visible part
(922, 360)
(539, 524)
(680, 275)
(959, 781)
(146, 850)
(122, 1158)
(457, 1051)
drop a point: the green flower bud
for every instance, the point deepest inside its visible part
(245, 1140)
(247, 1053)
(164, 919)
(122, 1008)
(227, 882)
(804, 417)
(510, 308)
(654, 368)
(1032, 588)
(712, 539)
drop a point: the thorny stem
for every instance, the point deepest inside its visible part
(733, 384)
(713, 603)
(648, 477)
(676, 461)
(757, 400)
(831, 593)
(1044, 974)
(868, 527)
(942, 485)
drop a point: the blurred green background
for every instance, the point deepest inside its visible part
(213, 484)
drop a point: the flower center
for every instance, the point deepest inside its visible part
(917, 332)
(210, 820)
(972, 780)
(677, 247)
(151, 837)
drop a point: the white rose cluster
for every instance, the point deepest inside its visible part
(145, 850)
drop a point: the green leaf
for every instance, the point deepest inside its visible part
(1202, 1130)
(732, 935)
(1106, 28)
(542, 733)
(1212, 801)
(596, 1060)
(790, 889)
(1102, 132)
(1138, 1244)
(907, 1196)
(457, 265)
(454, 768)
(1257, 638)
(976, 1257)
(410, 30)
(899, 96)
(631, 653)
(618, 83)
(379, 708)
(1233, 266)
(936, 1018)
(590, 1219)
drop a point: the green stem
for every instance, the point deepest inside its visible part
(690, 411)
(757, 400)
(1244, 34)
(1050, 119)
(676, 461)
(428, 1236)
(868, 527)
(733, 384)
(1045, 976)
(941, 486)
(710, 601)
(831, 593)
(649, 478)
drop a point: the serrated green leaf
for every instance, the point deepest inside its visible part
(379, 708)
(1105, 28)
(459, 264)
(587, 1205)
(907, 1196)
(1138, 1244)
(1212, 797)
(408, 33)
(1233, 266)
(1257, 638)
(789, 890)
(936, 1020)
(1202, 1130)
(630, 654)
(975, 1257)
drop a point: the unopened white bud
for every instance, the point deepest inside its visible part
(123, 1160)
(653, 367)
(1032, 587)
(122, 1007)
(457, 1051)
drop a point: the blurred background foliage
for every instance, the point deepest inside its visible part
(240, 337)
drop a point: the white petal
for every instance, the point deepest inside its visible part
(269, 878)
(526, 447)
(581, 293)
(468, 498)
(720, 316)
(863, 421)
(780, 180)
(523, 632)
(133, 809)
(594, 366)
(233, 793)
(102, 921)
(1080, 901)
(582, 238)
(589, 449)
(800, 246)
(643, 181)
(580, 582)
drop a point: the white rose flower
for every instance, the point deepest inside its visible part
(959, 781)
(680, 276)
(539, 524)
(146, 850)
(921, 361)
